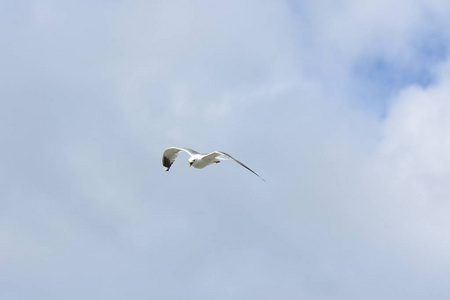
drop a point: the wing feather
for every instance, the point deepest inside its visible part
(218, 153)
(170, 154)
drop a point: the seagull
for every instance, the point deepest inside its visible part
(198, 160)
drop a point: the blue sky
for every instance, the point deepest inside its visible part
(341, 106)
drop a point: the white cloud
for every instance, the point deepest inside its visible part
(414, 157)
(353, 207)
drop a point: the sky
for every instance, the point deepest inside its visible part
(341, 106)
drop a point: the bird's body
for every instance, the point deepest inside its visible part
(198, 160)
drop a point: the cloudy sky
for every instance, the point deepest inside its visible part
(342, 106)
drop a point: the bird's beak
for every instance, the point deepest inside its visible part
(190, 163)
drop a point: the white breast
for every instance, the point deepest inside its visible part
(201, 163)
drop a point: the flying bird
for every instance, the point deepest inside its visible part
(198, 160)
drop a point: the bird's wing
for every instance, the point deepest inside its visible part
(170, 154)
(220, 153)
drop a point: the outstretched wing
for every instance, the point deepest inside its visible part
(170, 154)
(218, 153)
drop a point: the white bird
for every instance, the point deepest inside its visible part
(198, 160)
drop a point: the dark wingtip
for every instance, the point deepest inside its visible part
(166, 163)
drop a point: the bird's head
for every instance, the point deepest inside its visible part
(191, 161)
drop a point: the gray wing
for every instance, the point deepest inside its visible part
(217, 153)
(170, 154)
